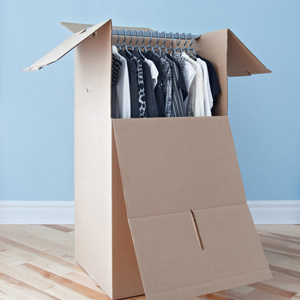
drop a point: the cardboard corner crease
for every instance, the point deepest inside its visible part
(175, 225)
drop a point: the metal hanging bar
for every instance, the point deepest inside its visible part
(155, 34)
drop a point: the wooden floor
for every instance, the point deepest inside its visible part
(37, 262)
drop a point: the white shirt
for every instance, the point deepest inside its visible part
(208, 99)
(189, 74)
(123, 88)
(154, 71)
(197, 98)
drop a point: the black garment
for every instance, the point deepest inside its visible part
(177, 107)
(133, 84)
(115, 76)
(159, 95)
(213, 79)
(167, 84)
(180, 82)
(151, 106)
(141, 87)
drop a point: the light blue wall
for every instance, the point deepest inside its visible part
(36, 109)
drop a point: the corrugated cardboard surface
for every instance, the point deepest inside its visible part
(170, 167)
(65, 47)
(241, 62)
(93, 157)
(126, 274)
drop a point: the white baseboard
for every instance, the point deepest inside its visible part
(37, 212)
(275, 211)
(62, 212)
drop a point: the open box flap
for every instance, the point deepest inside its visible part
(75, 27)
(240, 60)
(191, 227)
(65, 47)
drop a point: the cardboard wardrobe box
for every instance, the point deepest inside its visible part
(175, 181)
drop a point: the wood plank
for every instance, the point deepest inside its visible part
(60, 228)
(37, 262)
(26, 288)
(68, 283)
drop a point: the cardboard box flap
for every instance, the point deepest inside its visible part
(65, 47)
(240, 60)
(190, 224)
(75, 27)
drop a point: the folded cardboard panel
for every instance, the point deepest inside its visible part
(93, 157)
(190, 229)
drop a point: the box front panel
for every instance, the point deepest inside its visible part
(192, 230)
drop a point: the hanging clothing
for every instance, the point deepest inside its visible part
(177, 106)
(154, 71)
(167, 87)
(133, 84)
(141, 87)
(151, 107)
(123, 90)
(213, 79)
(115, 74)
(190, 82)
(164, 85)
(159, 94)
(208, 99)
(180, 62)
(195, 105)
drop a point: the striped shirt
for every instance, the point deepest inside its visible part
(177, 106)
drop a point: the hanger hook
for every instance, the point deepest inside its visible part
(163, 45)
(158, 38)
(142, 44)
(130, 31)
(117, 42)
(172, 42)
(185, 36)
(125, 36)
(129, 43)
(137, 38)
(179, 40)
(192, 40)
(151, 37)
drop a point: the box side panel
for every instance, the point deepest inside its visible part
(127, 280)
(213, 46)
(93, 217)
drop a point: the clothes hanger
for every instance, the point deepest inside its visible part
(156, 46)
(150, 41)
(163, 45)
(129, 44)
(137, 39)
(178, 43)
(117, 42)
(142, 44)
(190, 48)
(171, 48)
(183, 47)
(125, 36)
